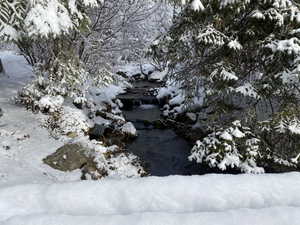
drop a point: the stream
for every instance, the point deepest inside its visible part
(162, 150)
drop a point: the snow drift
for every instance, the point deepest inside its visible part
(274, 199)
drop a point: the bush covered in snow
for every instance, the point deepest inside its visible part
(51, 104)
(281, 137)
(272, 144)
(233, 147)
(68, 121)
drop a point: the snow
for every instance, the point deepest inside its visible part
(222, 149)
(27, 143)
(258, 14)
(56, 22)
(158, 75)
(24, 143)
(128, 128)
(51, 103)
(237, 133)
(41, 18)
(106, 94)
(132, 69)
(291, 125)
(32, 193)
(226, 136)
(175, 96)
(169, 90)
(213, 199)
(291, 46)
(247, 90)
(72, 120)
(211, 36)
(227, 76)
(179, 99)
(294, 128)
(235, 45)
(249, 217)
(197, 5)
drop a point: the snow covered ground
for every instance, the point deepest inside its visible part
(32, 193)
(23, 143)
(210, 199)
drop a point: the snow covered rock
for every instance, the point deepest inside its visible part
(71, 157)
(129, 129)
(95, 161)
(135, 70)
(157, 75)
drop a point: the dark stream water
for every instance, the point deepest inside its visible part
(162, 150)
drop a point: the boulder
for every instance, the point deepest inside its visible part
(98, 131)
(75, 156)
(68, 157)
(1, 112)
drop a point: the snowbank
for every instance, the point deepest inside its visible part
(272, 216)
(208, 198)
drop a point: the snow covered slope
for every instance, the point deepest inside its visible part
(210, 199)
(23, 143)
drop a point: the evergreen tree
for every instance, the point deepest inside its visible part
(245, 54)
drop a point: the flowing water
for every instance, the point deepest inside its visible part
(162, 150)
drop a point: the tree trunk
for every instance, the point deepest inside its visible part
(1, 67)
